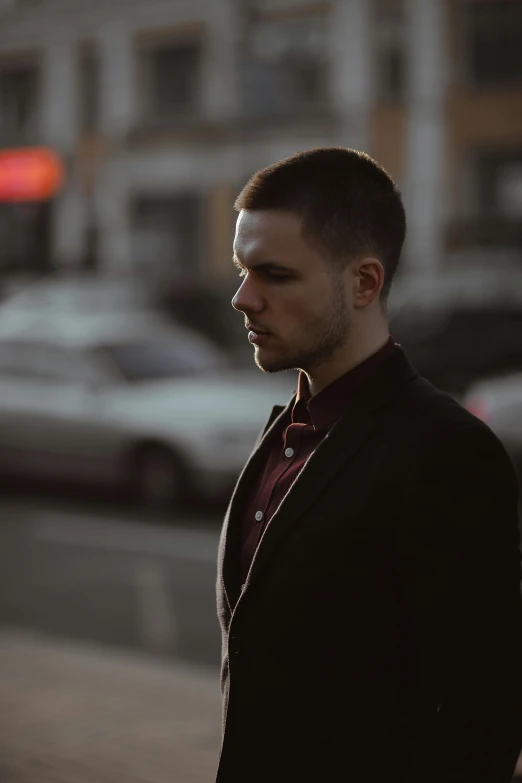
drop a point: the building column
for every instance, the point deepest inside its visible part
(220, 230)
(352, 81)
(59, 111)
(118, 114)
(425, 137)
(117, 100)
(59, 130)
(112, 218)
(219, 78)
(68, 226)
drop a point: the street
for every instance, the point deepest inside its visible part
(109, 643)
(96, 572)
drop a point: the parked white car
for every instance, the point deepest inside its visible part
(126, 399)
(498, 402)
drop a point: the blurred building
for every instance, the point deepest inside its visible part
(162, 109)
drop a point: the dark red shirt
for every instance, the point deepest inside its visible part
(301, 431)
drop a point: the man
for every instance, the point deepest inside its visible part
(369, 565)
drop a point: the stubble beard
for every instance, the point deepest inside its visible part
(321, 338)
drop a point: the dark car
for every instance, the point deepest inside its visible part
(461, 326)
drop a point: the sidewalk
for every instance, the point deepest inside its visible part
(72, 714)
(76, 714)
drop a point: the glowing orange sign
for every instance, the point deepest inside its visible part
(29, 174)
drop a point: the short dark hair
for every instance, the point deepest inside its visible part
(348, 204)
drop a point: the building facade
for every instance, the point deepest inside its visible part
(162, 110)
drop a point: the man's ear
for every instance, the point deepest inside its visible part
(368, 281)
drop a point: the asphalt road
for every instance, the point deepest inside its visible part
(99, 572)
(96, 571)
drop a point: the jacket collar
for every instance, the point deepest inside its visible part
(329, 404)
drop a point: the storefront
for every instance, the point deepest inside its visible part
(29, 180)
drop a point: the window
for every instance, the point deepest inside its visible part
(167, 235)
(390, 46)
(89, 88)
(171, 81)
(39, 362)
(498, 178)
(12, 362)
(18, 102)
(286, 67)
(391, 72)
(25, 237)
(494, 35)
(493, 205)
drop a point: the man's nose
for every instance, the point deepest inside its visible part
(246, 298)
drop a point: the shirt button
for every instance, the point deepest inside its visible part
(259, 516)
(289, 452)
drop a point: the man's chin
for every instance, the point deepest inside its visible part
(271, 365)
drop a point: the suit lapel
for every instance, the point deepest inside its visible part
(230, 539)
(333, 453)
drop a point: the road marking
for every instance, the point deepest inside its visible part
(157, 617)
(150, 540)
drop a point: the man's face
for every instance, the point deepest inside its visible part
(288, 291)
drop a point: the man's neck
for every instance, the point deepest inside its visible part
(326, 374)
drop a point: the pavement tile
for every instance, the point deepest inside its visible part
(75, 714)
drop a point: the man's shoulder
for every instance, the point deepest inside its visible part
(444, 425)
(425, 403)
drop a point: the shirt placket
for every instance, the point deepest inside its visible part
(292, 440)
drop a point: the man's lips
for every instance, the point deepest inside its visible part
(256, 331)
(259, 338)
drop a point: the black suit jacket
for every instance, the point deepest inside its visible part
(379, 633)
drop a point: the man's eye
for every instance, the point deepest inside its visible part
(269, 275)
(278, 277)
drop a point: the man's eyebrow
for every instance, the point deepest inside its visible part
(263, 266)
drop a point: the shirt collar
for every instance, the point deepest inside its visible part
(326, 406)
